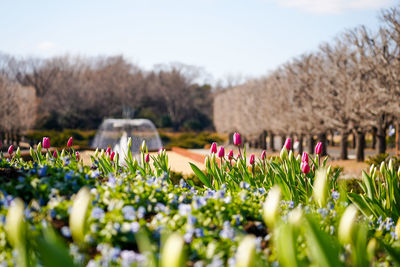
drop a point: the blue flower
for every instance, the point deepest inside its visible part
(184, 209)
(42, 171)
(141, 212)
(335, 195)
(65, 231)
(129, 213)
(97, 213)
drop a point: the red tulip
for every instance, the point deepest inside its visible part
(263, 155)
(108, 151)
(230, 154)
(112, 156)
(252, 159)
(77, 155)
(147, 158)
(46, 142)
(237, 140)
(221, 152)
(214, 148)
(318, 148)
(70, 142)
(55, 155)
(304, 157)
(288, 143)
(11, 149)
(305, 168)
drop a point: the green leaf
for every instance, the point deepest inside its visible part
(203, 178)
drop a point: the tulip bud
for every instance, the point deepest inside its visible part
(237, 140)
(213, 148)
(291, 155)
(112, 156)
(320, 190)
(46, 142)
(55, 154)
(245, 253)
(102, 153)
(15, 226)
(347, 224)
(77, 155)
(207, 162)
(221, 152)
(390, 166)
(173, 254)
(108, 151)
(147, 158)
(32, 153)
(96, 152)
(11, 150)
(18, 153)
(160, 151)
(263, 155)
(284, 153)
(271, 206)
(371, 168)
(318, 148)
(70, 142)
(305, 168)
(230, 154)
(129, 143)
(288, 144)
(304, 157)
(39, 148)
(62, 153)
(382, 167)
(77, 219)
(143, 147)
(252, 159)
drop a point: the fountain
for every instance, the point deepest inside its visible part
(114, 133)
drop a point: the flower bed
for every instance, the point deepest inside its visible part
(287, 210)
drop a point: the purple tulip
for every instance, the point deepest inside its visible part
(221, 152)
(46, 142)
(214, 148)
(305, 168)
(288, 144)
(263, 155)
(318, 148)
(237, 140)
(252, 159)
(11, 150)
(70, 142)
(304, 157)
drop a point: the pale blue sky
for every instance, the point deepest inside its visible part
(225, 37)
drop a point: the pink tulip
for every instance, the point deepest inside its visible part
(77, 155)
(214, 148)
(318, 148)
(252, 159)
(263, 155)
(160, 151)
(147, 158)
(221, 152)
(288, 143)
(11, 150)
(112, 156)
(304, 157)
(70, 142)
(230, 154)
(46, 142)
(238, 156)
(55, 155)
(108, 151)
(237, 140)
(305, 168)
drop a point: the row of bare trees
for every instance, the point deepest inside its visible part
(78, 92)
(349, 86)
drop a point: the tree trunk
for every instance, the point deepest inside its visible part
(231, 138)
(271, 141)
(311, 144)
(360, 146)
(343, 146)
(353, 144)
(332, 142)
(374, 130)
(283, 139)
(322, 138)
(381, 134)
(301, 144)
(264, 140)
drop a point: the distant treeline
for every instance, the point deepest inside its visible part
(78, 92)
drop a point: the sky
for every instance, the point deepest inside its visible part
(244, 38)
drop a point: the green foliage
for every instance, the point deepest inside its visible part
(190, 139)
(58, 138)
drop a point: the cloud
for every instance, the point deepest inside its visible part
(334, 6)
(45, 46)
